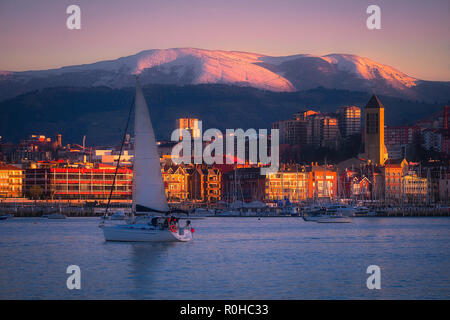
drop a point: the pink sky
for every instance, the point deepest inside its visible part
(414, 36)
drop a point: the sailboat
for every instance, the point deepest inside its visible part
(151, 219)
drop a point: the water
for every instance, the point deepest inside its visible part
(230, 258)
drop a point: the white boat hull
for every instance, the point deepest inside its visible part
(312, 218)
(332, 219)
(142, 233)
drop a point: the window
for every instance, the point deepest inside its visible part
(372, 123)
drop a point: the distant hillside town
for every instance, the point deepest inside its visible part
(348, 155)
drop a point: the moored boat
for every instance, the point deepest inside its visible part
(334, 219)
(340, 210)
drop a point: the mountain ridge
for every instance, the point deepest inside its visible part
(187, 66)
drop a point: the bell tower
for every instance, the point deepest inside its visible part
(375, 150)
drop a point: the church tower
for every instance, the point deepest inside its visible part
(375, 150)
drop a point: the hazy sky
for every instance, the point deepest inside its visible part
(414, 37)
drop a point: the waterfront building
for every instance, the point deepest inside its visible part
(353, 181)
(175, 183)
(375, 149)
(78, 183)
(204, 184)
(437, 173)
(287, 184)
(361, 188)
(393, 173)
(444, 187)
(213, 184)
(197, 183)
(11, 181)
(349, 120)
(322, 182)
(415, 188)
(249, 185)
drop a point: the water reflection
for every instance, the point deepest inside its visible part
(146, 258)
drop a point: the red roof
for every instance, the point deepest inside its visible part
(8, 167)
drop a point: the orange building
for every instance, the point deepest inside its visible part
(289, 184)
(11, 181)
(322, 182)
(192, 183)
(393, 172)
(176, 183)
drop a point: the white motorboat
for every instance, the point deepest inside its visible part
(363, 211)
(333, 219)
(340, 210)
(312, 218)
(151, 219)
(312, 213)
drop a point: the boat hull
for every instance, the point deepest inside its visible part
(334, 220)
(311, 218)
(136, 233)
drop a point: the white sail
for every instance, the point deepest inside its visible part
(148, 187)
(148, 190)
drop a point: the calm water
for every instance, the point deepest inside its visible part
(230, 258)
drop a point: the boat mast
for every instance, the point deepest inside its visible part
(298, 187)
(120, 155)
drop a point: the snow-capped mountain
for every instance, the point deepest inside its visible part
(182, 66)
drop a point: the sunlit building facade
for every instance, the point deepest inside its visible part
(11, 181)
(349, 120)
(190, 124)
(287, 185)
(415, 189)
(322, 182)
(79, 183)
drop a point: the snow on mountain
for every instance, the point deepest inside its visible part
(182, 66)
(369, 70)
